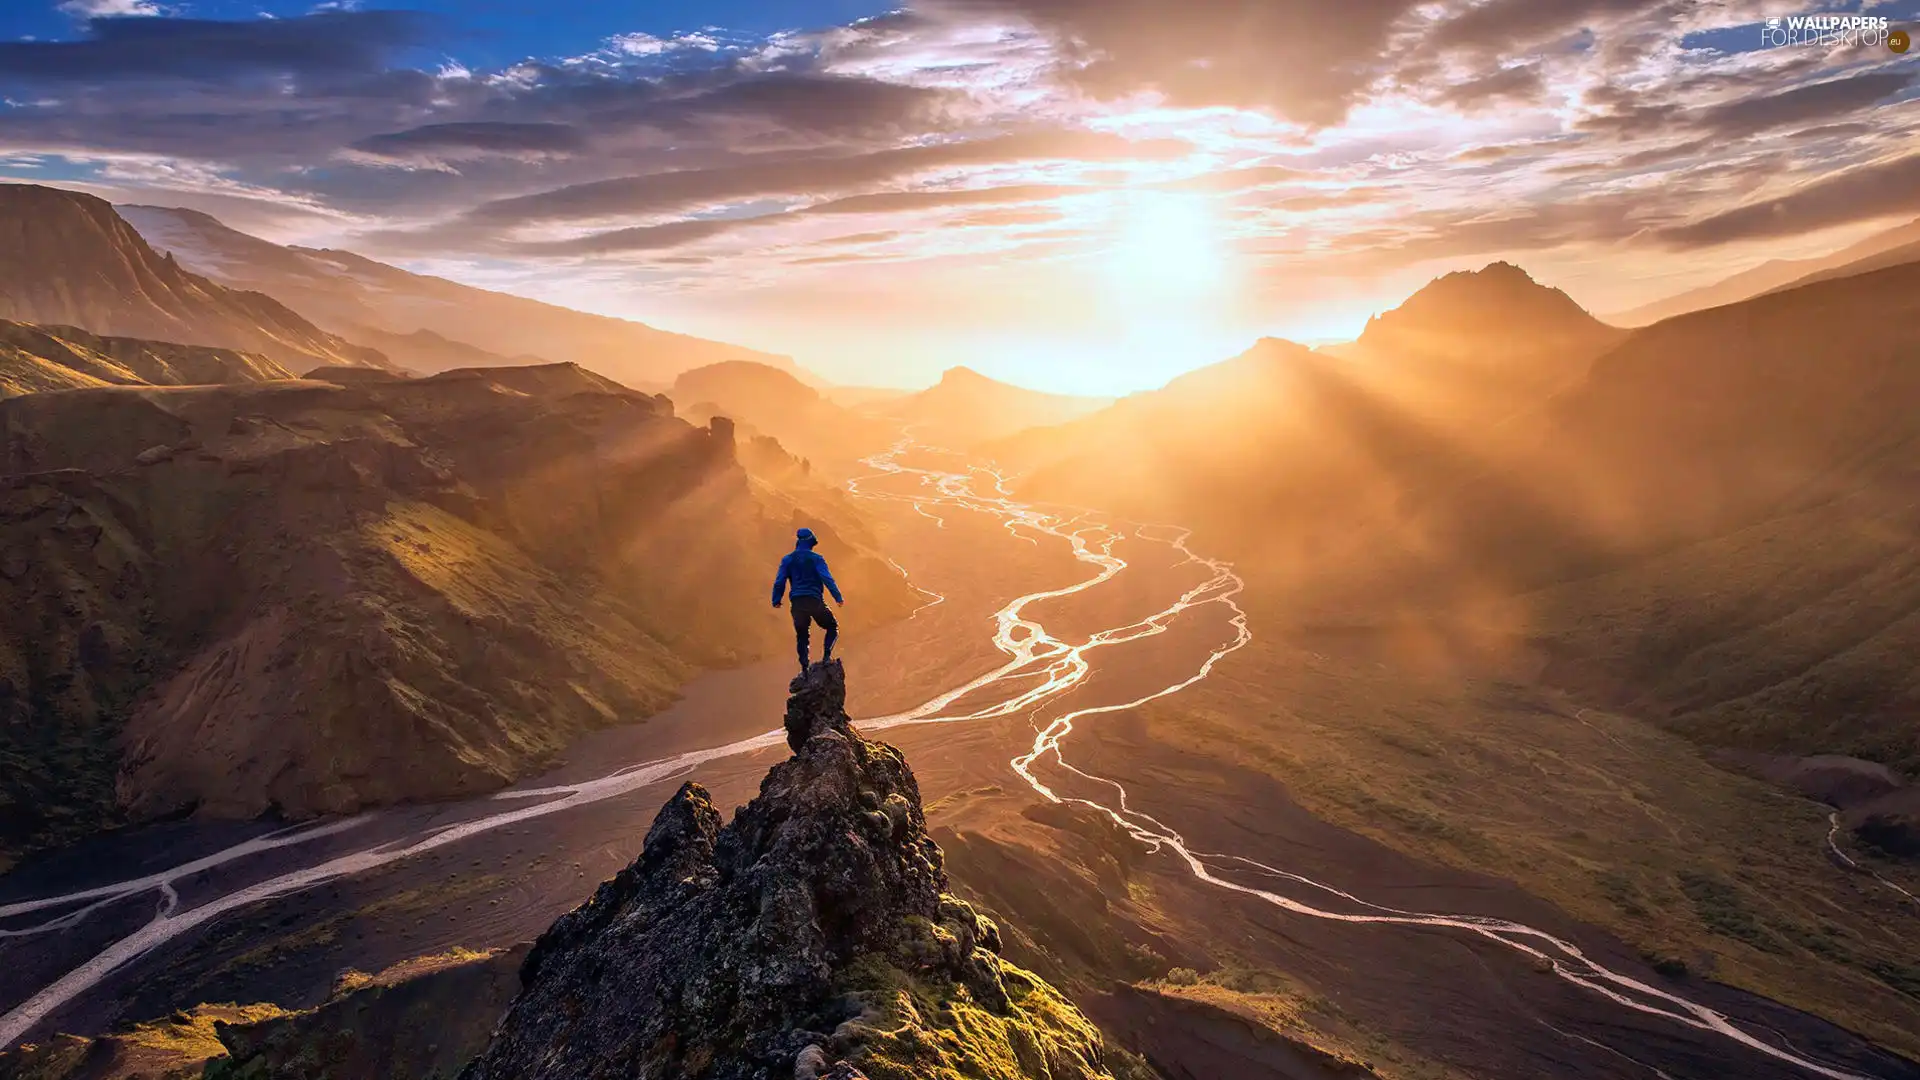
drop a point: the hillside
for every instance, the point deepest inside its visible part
(1741, 479)
(68, 259)
(771, 402)
(965, 408)
(1715, 524)
(350, 294)
(1776, 274)
(1896, 256)
(1478, 347)
(1293, 453)
(312, 597)
(428, 353)
(35, 358)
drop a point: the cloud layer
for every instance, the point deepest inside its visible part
(966, 148)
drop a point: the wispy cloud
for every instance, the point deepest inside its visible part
(99, 9)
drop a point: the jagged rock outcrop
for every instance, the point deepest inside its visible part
(812, 937)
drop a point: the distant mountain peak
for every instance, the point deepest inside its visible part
(1498, 299)
(965, 376)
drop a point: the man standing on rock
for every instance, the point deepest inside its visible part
(807, 572)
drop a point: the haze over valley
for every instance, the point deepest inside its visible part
(1377, 544)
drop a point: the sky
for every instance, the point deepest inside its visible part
(1077, 195)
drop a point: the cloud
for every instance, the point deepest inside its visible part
(1802, 104)
(1522, 82)
(1502, 27)
(644, 44)
(1502, 151)
(1306, 60)
(786, 176)
(640, 238)
(442, 142)
(1002, 217)
(124, 48)
(1242, 179)
(679, 233)
(1660, 155)
(1880, 189)
(1327, 138)
(97, 9)
(890, 202)
(806, 102)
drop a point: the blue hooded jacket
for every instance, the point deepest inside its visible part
(805, 570)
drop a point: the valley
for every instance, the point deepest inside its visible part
(1376, 542)
(1055, 700)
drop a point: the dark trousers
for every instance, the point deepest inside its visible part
(808, 610)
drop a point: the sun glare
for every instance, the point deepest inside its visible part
(1169, 279)
(1168, 253)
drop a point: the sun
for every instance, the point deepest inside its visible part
(1168, 252)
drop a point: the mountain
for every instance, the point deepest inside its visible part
(1280, 448)
(1498, 309)
(1722, 526)
(1476, 347)
(966, 408)
(1284, 454)
(35, 358)
(310, 597)
(372, 301)
(772, 402)
(812, 936)
(427, 352)
(1714, 526)
(1776, 274)
(68, 259)
(1897, 256)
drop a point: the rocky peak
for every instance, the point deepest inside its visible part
(1487, 305)
(812, 937)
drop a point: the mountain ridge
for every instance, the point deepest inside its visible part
(775, 403)
(347, 291)
(1776, 275)
(967, 408)
(70, 259)
(34, 358)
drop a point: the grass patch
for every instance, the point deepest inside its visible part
(1289, 1009)
(1720, 908)
(189, 1034)
(916, 1029)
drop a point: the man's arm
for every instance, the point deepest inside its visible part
(827, 578)
(780, 579)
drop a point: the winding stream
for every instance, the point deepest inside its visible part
(1039, 668)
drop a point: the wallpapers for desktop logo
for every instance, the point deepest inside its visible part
(1830, 31)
